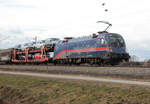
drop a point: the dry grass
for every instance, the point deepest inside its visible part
(35, 90)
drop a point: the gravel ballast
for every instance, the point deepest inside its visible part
(127, 72)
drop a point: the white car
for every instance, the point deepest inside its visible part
(50, 42)
(39, 44)
(18, 47)
(27, 45)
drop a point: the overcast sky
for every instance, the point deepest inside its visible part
(21, 20)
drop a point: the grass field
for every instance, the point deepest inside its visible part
(35, 90)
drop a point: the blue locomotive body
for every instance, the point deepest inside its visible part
(101, 47)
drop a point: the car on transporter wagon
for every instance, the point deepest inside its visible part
(51, 42)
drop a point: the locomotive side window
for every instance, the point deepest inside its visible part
(102, 41)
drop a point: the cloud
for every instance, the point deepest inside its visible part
(60, 18)
(11, 37)
(6, 1)
(19, 6)
(14, 4)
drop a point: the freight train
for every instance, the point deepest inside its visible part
(100, 48)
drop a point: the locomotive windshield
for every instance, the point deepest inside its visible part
(116, 40)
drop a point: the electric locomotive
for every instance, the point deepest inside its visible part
(99, 48)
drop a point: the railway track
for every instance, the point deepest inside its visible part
(123, 64)
(121, 72)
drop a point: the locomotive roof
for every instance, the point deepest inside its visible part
(85, 37)
(88, 37)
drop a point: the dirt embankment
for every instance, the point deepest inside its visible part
(3, 102)
(13, 96)
(37, 90)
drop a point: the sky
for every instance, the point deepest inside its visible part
(22, 20)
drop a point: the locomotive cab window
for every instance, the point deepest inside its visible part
(116, 41)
